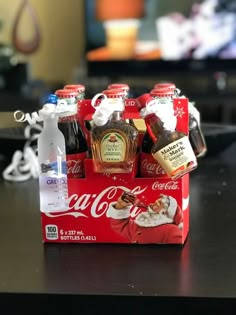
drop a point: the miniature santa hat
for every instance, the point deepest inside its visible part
(173, 210)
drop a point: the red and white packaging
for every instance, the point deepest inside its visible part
(93, 216)
(75, 165)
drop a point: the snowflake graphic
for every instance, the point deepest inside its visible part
(114, 178)
(179, 112)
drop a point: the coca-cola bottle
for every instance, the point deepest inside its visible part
(79, 88)
(165, 85)
(80, 94)
(129, 197)
(84, 124)
(123, 86)
(76, 145)
(196, 136)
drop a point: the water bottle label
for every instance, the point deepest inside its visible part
(53, 193)
(54, 168)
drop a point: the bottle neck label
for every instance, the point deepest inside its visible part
(55, 169)
(177, 158)
(113, 148)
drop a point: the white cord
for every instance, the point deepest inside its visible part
(61, 109)
(106, 107)
(24, 165)
(164, 112)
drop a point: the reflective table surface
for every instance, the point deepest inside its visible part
(37, 278)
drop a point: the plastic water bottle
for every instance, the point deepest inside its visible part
(53, 187)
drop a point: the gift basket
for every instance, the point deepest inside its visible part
(114, 169)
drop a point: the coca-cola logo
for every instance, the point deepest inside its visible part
(152, 167)
(97, 205)
(74, 166)
(170, 185)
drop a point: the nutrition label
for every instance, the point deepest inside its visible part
(53, 233)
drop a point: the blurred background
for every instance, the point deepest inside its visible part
(47, 44)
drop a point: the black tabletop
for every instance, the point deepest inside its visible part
(111, 278)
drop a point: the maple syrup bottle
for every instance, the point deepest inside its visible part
(113, 141)
(171, 149)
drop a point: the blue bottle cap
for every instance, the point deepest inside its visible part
(52, 99)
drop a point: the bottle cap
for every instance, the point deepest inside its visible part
(122, 86)
(170, 86)
(52, 99)
(162, 92)
(113, 93)
(75, 87)
(66, 93)
(142, 100)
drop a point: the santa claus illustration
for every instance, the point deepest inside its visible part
(161, 222)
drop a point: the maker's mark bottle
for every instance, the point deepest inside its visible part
(196, 136)
(171, 149)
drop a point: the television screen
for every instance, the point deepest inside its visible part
(144, 36)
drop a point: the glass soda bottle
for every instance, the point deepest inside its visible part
(79, 88)
(53, 187)
(76, 145)
(80, 95)
(123, 86)
(86, 125)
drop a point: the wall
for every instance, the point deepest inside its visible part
(62, 27)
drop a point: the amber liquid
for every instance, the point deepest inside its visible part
(116, 125)
(162, 138)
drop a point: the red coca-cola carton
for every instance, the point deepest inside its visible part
(123, 208)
